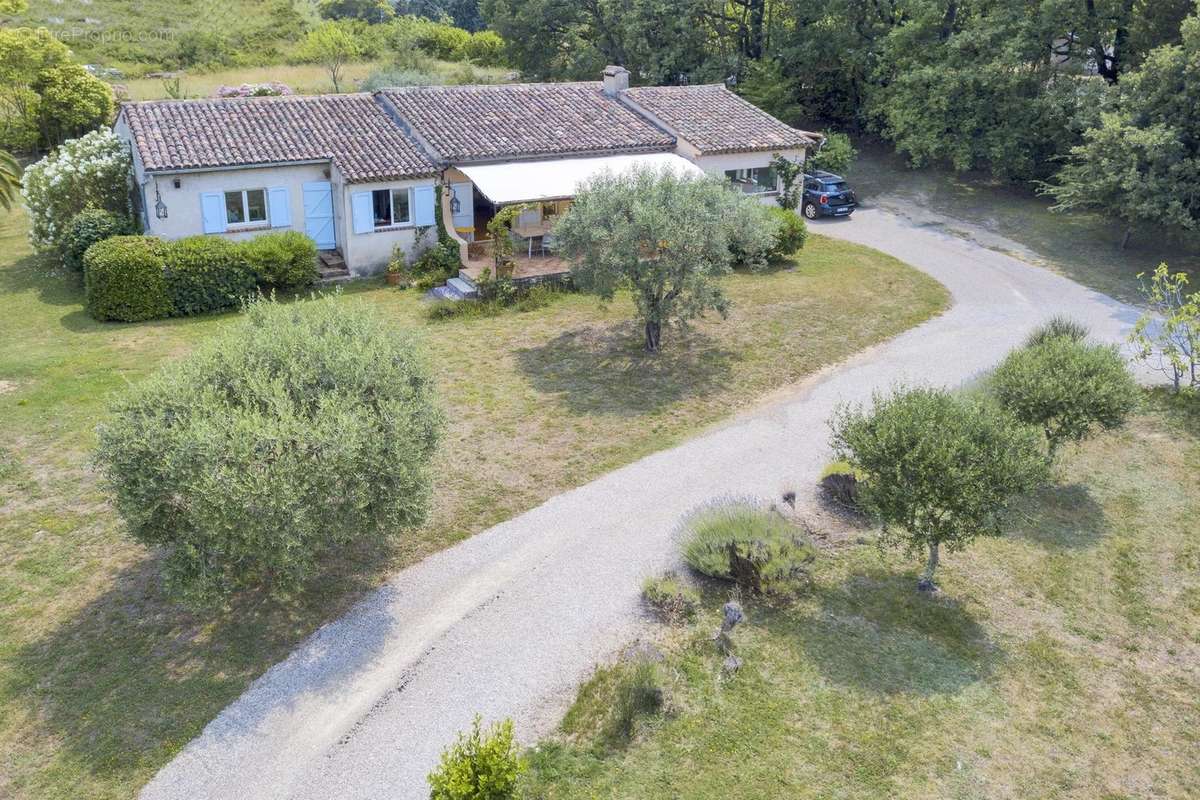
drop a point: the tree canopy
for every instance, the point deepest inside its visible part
(665, 236)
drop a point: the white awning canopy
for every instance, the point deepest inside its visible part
(530, 181)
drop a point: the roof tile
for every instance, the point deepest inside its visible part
(716, 120)
(351, 130)
(481, 123)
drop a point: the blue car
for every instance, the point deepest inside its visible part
(827, 195)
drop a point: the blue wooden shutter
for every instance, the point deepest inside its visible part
(279, 203)
(212, 212)
(423, 205)
(363, 213)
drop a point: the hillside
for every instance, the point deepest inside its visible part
(137, 36)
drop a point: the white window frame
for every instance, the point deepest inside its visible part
(745, 174)
(392, 207)
(246, 222)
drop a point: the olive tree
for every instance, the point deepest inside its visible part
(1170, 330)
(936, 469)
(1066, 387)
(304, 429)
(667, 237)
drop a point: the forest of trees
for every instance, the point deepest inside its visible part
(1090, 100)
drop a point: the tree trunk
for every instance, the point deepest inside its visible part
(926, 583)
(653, 336)
(1125, 239)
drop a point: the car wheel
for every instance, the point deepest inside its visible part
(810, 210)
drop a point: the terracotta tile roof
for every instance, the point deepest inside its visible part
(716, 120)
(351, 130)
(482, 123)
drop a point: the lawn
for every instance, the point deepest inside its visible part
(1083, 246)
(102, 681)
(1059, 661)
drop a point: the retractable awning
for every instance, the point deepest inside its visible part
(531, 181)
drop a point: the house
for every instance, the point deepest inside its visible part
(358, 172)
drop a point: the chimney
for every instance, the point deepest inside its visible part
(616, 79)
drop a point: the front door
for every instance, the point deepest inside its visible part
(464, 209)
(318, 214)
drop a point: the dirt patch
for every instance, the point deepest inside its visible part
(8, 386)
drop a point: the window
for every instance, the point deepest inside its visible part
(391, 207)
(246, 207)
(754, 180)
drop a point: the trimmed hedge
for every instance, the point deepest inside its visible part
(123, 279)
(88, 227)
(286, 261)
(204, 274)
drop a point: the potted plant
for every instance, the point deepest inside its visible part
(397, 267)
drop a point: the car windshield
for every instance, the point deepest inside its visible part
(840, 186)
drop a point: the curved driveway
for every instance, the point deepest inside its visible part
(507, 623)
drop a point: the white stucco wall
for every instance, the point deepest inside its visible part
(184, 217)
(718, 164)
(368, 253)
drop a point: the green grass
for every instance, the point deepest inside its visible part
(1058, 661)
(1082, 246)
(102, 681)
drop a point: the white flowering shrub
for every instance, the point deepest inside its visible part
(89, 172)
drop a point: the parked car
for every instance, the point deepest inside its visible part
(827, 195)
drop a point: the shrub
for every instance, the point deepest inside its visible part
(839, 482)
(791, 235)
(479, 766)
(937, 468)
(303, 430)
(756, 548)
(485, 48)
(89, 172)
(123, 279)
(671, 597)
(1054, 328)
(204, 274)
(442, 41)
(285, 260)
(836, 155)
(88, 227)
(1067, 388)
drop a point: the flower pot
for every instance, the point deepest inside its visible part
(394, 279)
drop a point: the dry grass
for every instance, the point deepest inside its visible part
(102, 681)
(1058, 662)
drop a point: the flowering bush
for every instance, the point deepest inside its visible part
(89, 172)
(268, 89)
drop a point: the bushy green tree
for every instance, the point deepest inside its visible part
(665, 236)
(479, 766)
(937, 469)
(1066, 387)
(835, 155)
(305, 429)
(73, 102)
(89, 172)
(1147, 146)
(25, 54)
(332, 45)
(367, 10)
(485, 48)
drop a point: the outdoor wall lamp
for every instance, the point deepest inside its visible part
(160, 208)
(176, 182)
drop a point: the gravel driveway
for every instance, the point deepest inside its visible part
(507, 623)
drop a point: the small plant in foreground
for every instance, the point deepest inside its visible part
(481, 765)
(1067, 388)
(1057, 327)
(756, 548)
(639, 693)
(939, 469)
(671, 597)
(839, 482)
(1170, 331)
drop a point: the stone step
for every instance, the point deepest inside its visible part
(465, 278)
(463, 289)
(332, 259)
